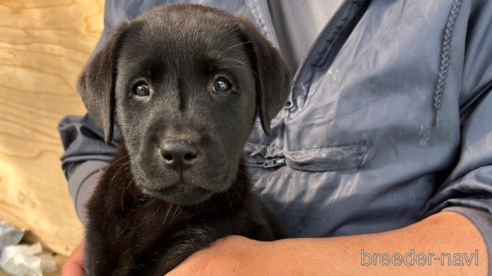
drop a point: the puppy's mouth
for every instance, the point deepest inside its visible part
(180, 194)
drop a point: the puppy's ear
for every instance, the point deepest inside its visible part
(96, 83)
(271, 73)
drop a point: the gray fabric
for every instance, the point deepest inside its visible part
(298, 23)
(82, 182)
(118, 11)
(83, 140)
(482, 220)
(85, 193)
(361, 151)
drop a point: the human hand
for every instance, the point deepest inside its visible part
(237, 256)
(75, 263)
(231, 256)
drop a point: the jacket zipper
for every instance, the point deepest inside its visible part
(269, 23)
(270, 28)
(277, 162)
(270, 164)
(290, 101)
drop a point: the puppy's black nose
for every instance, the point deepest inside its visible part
(179, 153)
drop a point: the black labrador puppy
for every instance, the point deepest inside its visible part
(184, 84)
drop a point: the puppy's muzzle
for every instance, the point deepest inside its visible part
(179, 154)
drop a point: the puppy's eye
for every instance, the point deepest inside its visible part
(222, 86)
(141, 89)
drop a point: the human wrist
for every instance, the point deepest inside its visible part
(301, 256)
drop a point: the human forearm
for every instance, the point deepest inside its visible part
(443, 233)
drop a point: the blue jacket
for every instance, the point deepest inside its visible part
(390, 119)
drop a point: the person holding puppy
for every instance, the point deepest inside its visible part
(379, 163)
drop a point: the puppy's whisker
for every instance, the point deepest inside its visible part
(115, 162)
(239, 67)
(238, 193)
(167, 213)
(114, 176)
(229, 196)
(235, 60)
(234, 46)
(126, 183)
(177, 211)
(152, 216)
(127, 186)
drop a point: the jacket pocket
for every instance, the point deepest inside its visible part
(327, 159)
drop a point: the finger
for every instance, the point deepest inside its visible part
(75, 263)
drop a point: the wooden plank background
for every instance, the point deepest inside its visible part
(43, 46)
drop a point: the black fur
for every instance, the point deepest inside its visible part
(177, 184)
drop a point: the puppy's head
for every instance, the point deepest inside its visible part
(185, 83)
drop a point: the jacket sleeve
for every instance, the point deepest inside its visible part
(85, 157)
(468, 189)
